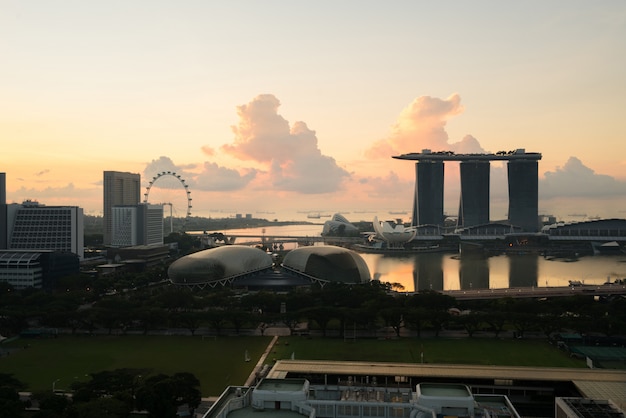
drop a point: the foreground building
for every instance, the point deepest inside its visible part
(298, 397)
(336, 389)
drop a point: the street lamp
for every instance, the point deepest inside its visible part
(54, 385)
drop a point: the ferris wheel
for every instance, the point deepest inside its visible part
(187, 199)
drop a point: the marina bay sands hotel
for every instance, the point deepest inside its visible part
(522, 168)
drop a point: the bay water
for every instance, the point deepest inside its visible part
(450, 271)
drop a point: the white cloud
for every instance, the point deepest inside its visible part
(421, 125)
(212, 177)
(291, 156)
(575, 179)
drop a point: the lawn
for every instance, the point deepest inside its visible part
(219, 362)
(216, 362)
(488, 351)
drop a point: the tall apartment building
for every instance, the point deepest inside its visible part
(137, 225)
(120, 188)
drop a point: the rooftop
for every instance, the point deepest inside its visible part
(428, 155)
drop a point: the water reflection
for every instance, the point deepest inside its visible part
(428, 271)
(474, 272)
(444, 271)
(523, 270)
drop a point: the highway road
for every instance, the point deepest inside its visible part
(538, 292)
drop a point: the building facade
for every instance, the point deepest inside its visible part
(137, 225)
(38, 269)
(120, 188)
(31, 226)
(474, 202)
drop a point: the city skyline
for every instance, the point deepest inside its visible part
(278, 108)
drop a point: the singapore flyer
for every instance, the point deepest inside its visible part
(168, 193)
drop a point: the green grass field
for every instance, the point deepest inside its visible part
(219, 362)
(488, 351)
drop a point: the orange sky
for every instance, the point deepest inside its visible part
(262, 110)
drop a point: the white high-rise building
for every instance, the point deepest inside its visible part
(137, 225)
(119, 189)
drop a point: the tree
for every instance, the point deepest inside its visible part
(394, 318)
(161, 395)
(416, 318)
(217, 319)
(10, 404)
(438, 319)
(238, 318)
(51, 404)
(470, 321)
(190, 320)
(100, 408)
(496, 320)
(150, 317)
(322, 316)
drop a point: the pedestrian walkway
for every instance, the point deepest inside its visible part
(259, 365)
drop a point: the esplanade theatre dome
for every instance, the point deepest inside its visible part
(328, 263)
(240, 265)
(218, 265)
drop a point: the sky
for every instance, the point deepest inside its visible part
(278, 108)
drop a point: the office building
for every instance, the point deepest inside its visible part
(31, 226)
(119, 189)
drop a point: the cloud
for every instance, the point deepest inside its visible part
(211, 177)
(291, 156)
(216, 178)
(42, 172)
(421, 125)
(574, 179)
(68, 195)
(208, 151)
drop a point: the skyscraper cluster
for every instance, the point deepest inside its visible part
(35, 238)
(523, 177)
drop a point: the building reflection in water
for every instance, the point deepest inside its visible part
(448, 271)
(523, 270)
(428, 271)
(474, 272)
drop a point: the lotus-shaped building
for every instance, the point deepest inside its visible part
(393, 234)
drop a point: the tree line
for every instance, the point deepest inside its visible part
(327, 311)
(108, 394)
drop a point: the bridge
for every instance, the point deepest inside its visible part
(263, 239)
(607, 289)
